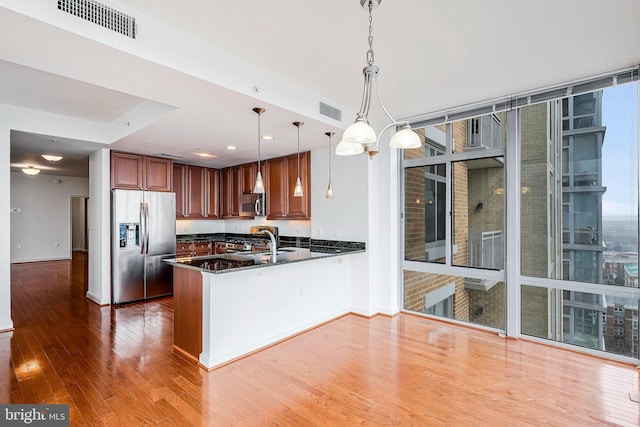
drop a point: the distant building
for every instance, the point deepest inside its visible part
(614, 263)
(631, 275)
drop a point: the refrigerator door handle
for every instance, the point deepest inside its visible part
(143, 228)
(146, 226)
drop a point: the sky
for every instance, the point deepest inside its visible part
(620, 151)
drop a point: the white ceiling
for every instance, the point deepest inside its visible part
(432, 55)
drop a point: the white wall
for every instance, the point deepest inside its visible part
(346, 216)
(99, 227)
(41, 215)
(5, 245)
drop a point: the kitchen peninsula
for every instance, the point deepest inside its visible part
(230, 305)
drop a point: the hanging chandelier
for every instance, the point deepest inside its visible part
(360, 136)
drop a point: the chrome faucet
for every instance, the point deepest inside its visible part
(272, 245)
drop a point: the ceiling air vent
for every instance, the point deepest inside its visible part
(100, 14)
(331, 112)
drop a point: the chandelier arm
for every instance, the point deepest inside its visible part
(391, 125)
(381, 104)
(366, 98)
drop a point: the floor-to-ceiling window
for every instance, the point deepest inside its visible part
(576, 215)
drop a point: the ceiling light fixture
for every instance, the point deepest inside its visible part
(297, 192)
(201, 154)
(360, 136)
(268, 137)
(231, 147)
(30, 170)
(51, 157)
(258, 188)
(329, 194)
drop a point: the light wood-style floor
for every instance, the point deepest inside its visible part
(116, 367)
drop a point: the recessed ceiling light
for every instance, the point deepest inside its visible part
(51, 157)
(231, 147)
(267, 137)
(203, 154)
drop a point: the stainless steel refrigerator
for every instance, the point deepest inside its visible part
(143, 235)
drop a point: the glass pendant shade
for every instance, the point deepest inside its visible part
(297, 192)
(259, 186)
(345, 148)
(31, 170)
(405, 138)
(359, 132)
(329, 194)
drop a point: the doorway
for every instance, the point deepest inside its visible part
(79, 230)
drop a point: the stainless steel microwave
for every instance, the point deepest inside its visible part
(252, 205)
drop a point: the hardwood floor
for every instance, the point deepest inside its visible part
(116, 367)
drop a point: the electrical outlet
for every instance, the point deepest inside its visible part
(19, 245)
(57, 244)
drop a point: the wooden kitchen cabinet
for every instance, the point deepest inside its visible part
(248, 174)
(126, 171)
(281, 181)
(298, 207)
(275, 187)
(158, 174)
(184, 249)
(194, 191)
(212, 194)
(197, 192)
(137, 172)
(179, 183)
(230, 180)
(201, 248)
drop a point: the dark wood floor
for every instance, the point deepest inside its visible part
(116, 367)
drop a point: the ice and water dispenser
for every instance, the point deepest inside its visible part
(129, 234)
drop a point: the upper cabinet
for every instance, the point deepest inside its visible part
(275, 187)
(196, 191)
(138, 172)
(230, 186)
(204, 193)
(179, 183)
(299, 207)
(280, 184)
(212, 190)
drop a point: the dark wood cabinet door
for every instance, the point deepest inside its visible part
(248, 173)
(225, 196)
(179, 187)
(195, 192)
(127, 171)
(276, 183)
(157, 174)
(234, 181)
(212, 195)
(298, 207)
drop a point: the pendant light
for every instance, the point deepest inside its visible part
(329, 194)
(297, 192)
(360, 136)
(258, 188)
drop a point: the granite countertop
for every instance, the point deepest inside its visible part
(227, 263)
